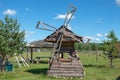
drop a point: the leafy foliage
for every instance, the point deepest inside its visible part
(109, 46)
(11, 38)
(89, 47)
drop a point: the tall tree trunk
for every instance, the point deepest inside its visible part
(3, 63)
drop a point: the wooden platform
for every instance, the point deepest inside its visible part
(67, 68)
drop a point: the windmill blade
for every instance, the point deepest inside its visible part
(45, 26)
(73, 36)
(60, 43)
(56, 45)
(70, 12)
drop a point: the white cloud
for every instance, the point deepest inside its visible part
(31, 40)
(106, 34)
(117, 2)
(31, 32)
(88, 37)
(61, 16)
(93, 39)
(97, 39)
(85, 39)
(28, 33)
(9, 12)
(99, 35)
(69, 27)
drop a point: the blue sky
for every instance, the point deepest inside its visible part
(93, 18)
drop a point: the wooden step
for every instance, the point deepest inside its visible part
(67, 75)
(61, 65)
(62, 68)
(60, 71)
(68, 66)
(66, 63)
(66, 69)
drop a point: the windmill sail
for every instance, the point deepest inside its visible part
(45, 26)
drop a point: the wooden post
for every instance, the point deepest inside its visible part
(31, 55)
(97, 52)
(27, 54)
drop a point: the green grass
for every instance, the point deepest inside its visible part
(94, 70)
(100, 70)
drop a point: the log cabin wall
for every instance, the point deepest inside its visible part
(67, 46)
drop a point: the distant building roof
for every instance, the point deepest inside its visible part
(40, 44)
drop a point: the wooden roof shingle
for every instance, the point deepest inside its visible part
(69, 36)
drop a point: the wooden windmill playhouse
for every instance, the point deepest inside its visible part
(64, 40)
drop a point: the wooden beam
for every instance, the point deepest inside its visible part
(31, 54)
(27, 53)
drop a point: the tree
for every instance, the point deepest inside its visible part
(109, 46)
(93, 46)
(11, 38)
(79, 47)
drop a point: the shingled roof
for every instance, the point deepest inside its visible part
(40, 44)
(66, 38)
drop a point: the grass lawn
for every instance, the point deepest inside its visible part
(99, 70)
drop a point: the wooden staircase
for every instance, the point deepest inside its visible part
(66, 68)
